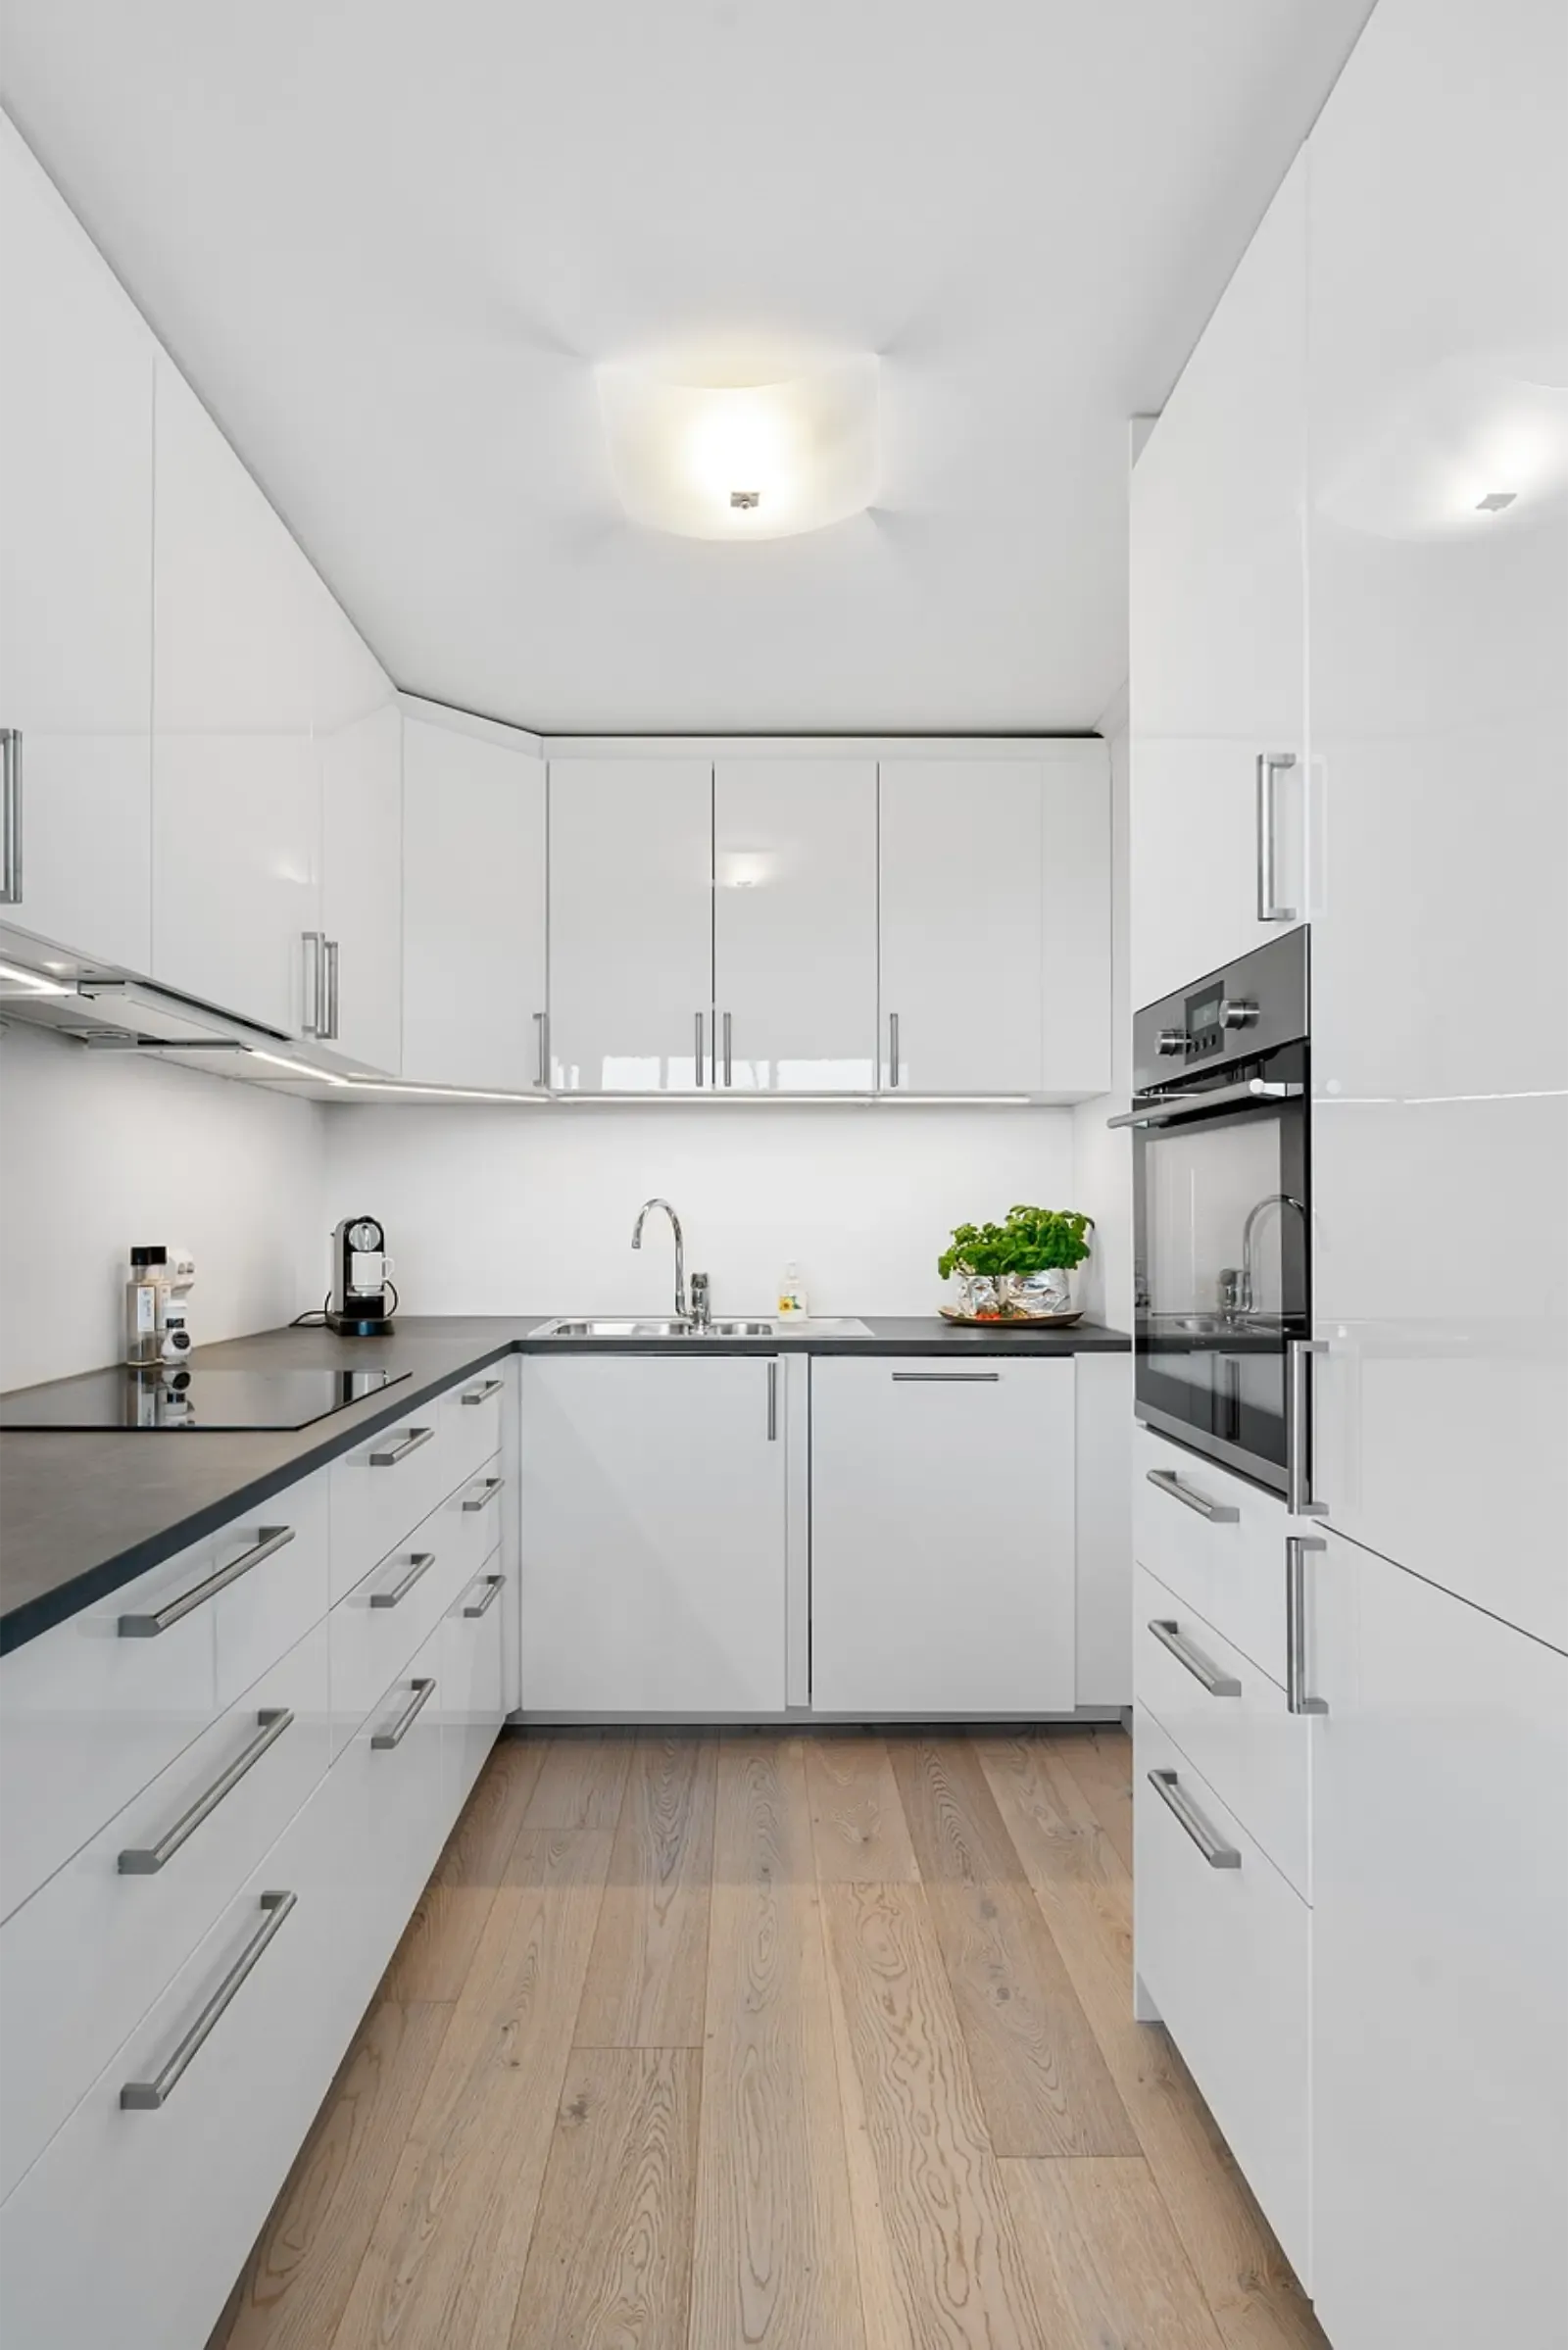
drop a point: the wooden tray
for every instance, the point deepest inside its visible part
(951, 1313)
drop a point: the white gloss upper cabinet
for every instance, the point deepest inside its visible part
(1217, 629)
(359, 746)
(473, 901)
(996, 963)
(1440, 1955)
(1439, 282)
(632, 924)
(236, 673)
(75, 577)
(795, 885)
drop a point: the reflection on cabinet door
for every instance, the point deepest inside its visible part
(795, 925)
(1439, 712)
(1218, 628)
(1440, 1956)
(236, 801)
(474, 909)
(631, 925)
(361, 756)
(75, 578)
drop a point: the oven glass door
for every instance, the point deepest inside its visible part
(1222, 1210)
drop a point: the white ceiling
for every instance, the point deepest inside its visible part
(387, 240)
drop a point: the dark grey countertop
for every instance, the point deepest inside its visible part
(82, 1512)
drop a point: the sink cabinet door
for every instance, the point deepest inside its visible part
(652, 1510)
(943, 1541)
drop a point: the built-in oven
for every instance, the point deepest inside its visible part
(1223, 1214)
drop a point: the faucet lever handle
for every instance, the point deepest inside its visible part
(702, 1301)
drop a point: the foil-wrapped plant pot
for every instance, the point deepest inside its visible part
(1017, 1296)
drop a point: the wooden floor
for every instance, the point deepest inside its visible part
(815, 2042)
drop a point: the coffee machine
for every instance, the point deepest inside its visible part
(363, 1300)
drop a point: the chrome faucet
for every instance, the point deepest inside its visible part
(681, 1251)
(1239, 1290)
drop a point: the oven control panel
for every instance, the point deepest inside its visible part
(1252, 1007)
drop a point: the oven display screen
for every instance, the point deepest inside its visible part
(1202, 1014)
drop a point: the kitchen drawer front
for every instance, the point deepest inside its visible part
(93, 1950)
(374, 1631)
(388, 1485)
(398, 1795)
(1253, 1753)
(132, 2225)
(473, 1681)
(1223, 1953)
(91, 1713)
(1231, 1569)
(478, 1407)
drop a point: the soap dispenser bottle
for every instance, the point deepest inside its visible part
(791, 1294)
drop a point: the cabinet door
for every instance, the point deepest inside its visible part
(795, 925)
(1440, 707)
(943, 1567)
(474, 909)
(1217, 620)
(76, 578)
(631, 925)
(1440, 1956)
(360, 751)
(236, 800)
(652, 1512)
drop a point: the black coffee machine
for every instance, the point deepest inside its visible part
(363, 1300)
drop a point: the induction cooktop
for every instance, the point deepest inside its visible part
(175, 1396)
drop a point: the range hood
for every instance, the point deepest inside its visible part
(123, 1013)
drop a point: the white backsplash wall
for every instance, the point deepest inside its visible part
(100, 1149)
(494, 1210)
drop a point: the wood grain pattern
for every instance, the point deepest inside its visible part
(1101, 1761)
(1042, 2079)
(446, 2258)
(950, 2242)
(775, 2251)
(1086, 1897)
(297, 2279)
(581, 1779)
(646, 1978)
(857, 1824)
(433, 1958)
(610, 2263)
(1107, 2271)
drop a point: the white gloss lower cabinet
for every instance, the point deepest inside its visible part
(653, 1535)
(943, 1537)
(1439, 1961)
(473, 1677)
(473, 909)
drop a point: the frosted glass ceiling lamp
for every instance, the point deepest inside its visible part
(749, 461)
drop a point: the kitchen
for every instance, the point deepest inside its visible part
(593, 1746)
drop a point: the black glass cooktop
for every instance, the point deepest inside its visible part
(172, 1397)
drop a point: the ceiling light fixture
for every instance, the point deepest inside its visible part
(738, 460)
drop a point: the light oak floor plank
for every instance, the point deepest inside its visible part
(438, 1944)
(646, 1978)
(1101, 1761)
(581, 1779)
(610, 2263)
(1086, 1896)
(1107, 2271)
(773, 2261)
(446, 2258)
(857, 1824)
(1042, 2081)
(297, 2281)
(949, 2241)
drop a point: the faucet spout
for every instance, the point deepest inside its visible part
(1248, 1282)
(680, 1249)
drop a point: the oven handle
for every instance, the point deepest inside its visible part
(1161, 1110)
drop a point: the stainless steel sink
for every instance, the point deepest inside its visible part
(611, 1328)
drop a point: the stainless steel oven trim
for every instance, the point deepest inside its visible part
(1215, 1448)
(1168, 1109)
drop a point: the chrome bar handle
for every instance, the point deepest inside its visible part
(1218, 1854)
(1218, 1513)
(773, 1403)
(541, 1030)
(729, 1072)
(410, 1443)
(424, 1690)
(146, 2096)
(492, 1593)
(145, 1860)
(1168, 1633)
(492, 1486)
(1270, 764)
(314, 943)
(147, 1628)
(1299, 1428)
(10, 816)
(701, 1079)
(331, 962)
(893, 1049)
(483, 1393)
(1297, 1700)
(946, 1378)
(420, 1564)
